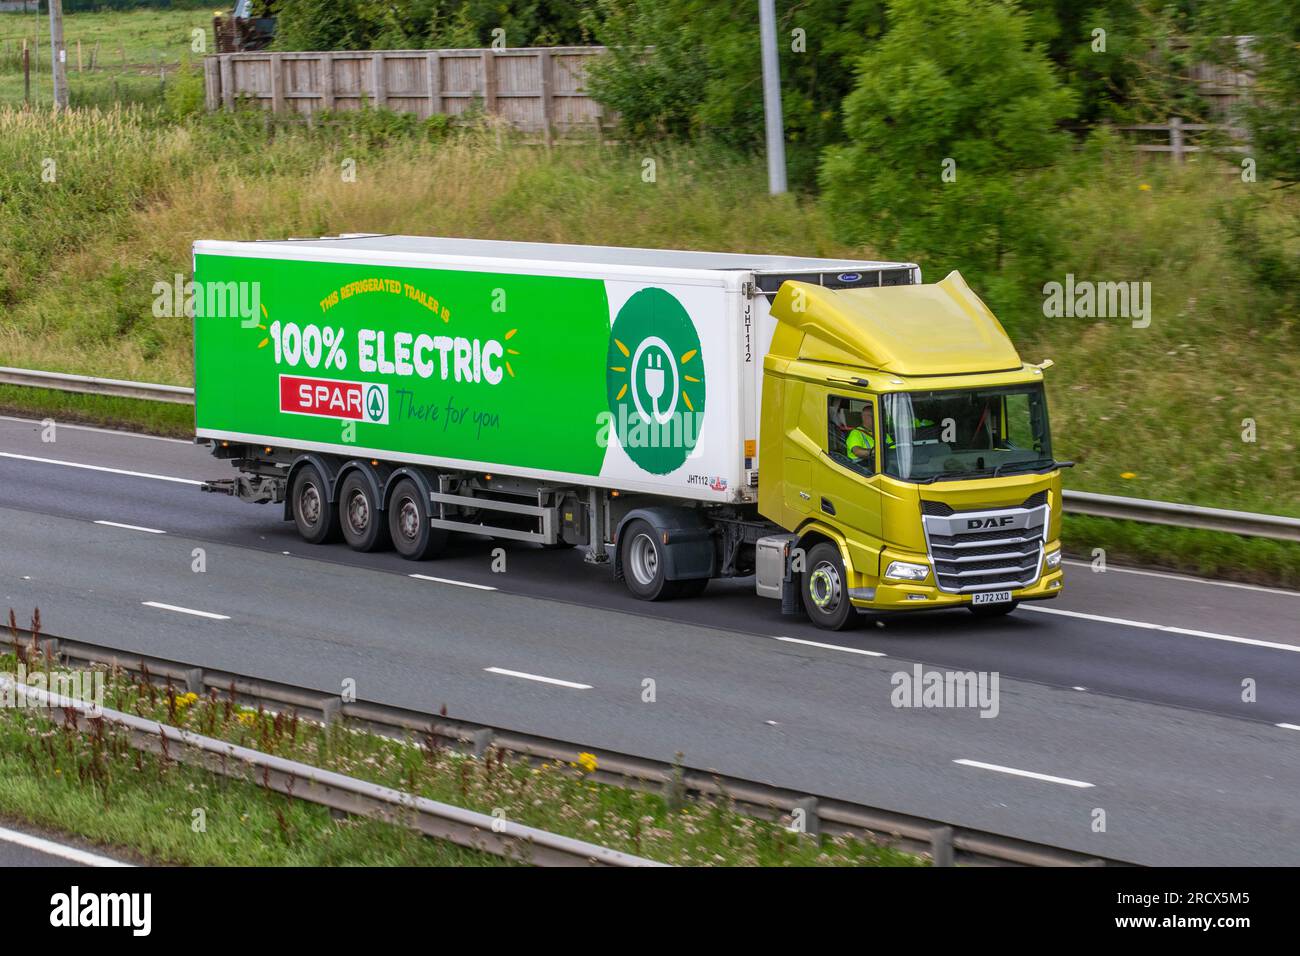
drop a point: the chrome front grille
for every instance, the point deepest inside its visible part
(987, 550)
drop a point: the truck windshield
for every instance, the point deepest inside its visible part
(965, 433)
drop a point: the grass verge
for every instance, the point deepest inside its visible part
(95, 785)
(1211, 554)
(154, 418)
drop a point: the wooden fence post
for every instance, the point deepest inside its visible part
(380, 81)
(326, 64)
(546, 72)
(433, 80)
(227, 80)
(489, 61)
(1176, 137)
(211, 83)
(277, 83)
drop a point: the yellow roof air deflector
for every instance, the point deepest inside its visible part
(942, 328)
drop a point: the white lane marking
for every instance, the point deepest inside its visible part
(831, 647)
(50, 848)
(545, 680)
(1186, 631)
(129, 527)
(1184, 577)
(1024, 773)
(1288, 726)
(117, 432)
(463, 584)
(111, 471)
(186, 610)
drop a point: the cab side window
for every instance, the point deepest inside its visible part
(851, 440)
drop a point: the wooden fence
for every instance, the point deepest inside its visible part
(1176, 144)
(535, 89)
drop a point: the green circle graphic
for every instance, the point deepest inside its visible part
(655, 381)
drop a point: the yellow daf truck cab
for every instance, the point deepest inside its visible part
(905, 448)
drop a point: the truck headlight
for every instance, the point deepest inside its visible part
(904, 571)
(1053, 559)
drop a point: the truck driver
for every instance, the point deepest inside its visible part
(861, 442)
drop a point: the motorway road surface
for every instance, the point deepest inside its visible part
(1124, 696)
(25, 847)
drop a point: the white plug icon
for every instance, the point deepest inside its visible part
(654, 380)
(651, 363)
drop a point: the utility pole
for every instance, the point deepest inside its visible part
(772, 97)
(59, 56)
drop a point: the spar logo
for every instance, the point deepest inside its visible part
(655, 381)
(330, 398)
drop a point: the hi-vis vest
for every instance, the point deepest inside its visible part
(858, 437)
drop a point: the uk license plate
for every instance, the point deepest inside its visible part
(990, 597)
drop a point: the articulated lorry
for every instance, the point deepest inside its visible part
(849, 436)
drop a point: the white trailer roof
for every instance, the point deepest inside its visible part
(589, 255)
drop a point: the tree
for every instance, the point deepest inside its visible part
(691, 69)
(954, 112)
(407, 24)
(1272, 54)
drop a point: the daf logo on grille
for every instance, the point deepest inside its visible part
(975, 523)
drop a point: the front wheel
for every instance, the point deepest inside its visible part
(826, 591)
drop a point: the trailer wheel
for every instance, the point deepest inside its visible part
(825, 590)
(316, 521)
(408, 523)
(363, 524)
(643, 562)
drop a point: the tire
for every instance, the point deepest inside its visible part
(642, 554)
(316, 521)
(364, 525)
(992, 610)
(825, 592)
(408, 523)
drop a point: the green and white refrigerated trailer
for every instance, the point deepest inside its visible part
(397, 389)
